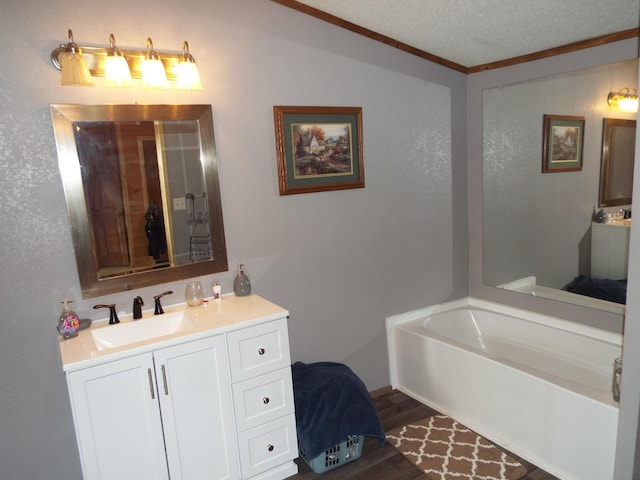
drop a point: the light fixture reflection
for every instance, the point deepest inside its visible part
(116, 68)
(187, 74)
(74, 69)
(626, 99)
(153, 74)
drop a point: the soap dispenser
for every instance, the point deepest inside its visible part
(241, 284)
(68, 324)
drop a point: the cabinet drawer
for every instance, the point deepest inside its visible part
(264, 398)
(268, 446)
(258, 350)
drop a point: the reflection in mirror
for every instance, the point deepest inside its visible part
(618, 150)
(537, 228)
(142, 193)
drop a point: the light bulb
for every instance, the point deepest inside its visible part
(116, 68)
(153, 74)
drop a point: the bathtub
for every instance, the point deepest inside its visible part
(536, 385)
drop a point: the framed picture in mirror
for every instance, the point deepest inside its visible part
(562, 142)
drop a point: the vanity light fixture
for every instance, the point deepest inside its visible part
(153, 74)
(73, 66)
(188, 76)
(116, 68)
(625, 99)
(153, 67)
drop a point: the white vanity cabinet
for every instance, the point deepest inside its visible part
(213, 401)
(610, 250)
(124, 410)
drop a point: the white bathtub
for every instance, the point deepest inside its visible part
(536, 385)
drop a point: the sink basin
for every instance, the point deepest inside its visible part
(112, 336)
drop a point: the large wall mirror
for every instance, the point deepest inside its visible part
(538, 229)
(142, 192)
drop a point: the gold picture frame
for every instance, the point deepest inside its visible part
(318, 148)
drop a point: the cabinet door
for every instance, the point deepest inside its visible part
(609, 251)
(117, 419)
(197, 411)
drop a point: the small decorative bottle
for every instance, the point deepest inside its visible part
(68, 324)
(241, 284)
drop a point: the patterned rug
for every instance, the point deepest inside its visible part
(446, 450)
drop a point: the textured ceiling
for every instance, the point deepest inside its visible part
(476, 32)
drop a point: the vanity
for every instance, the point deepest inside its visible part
(194, 393)
(610, 249)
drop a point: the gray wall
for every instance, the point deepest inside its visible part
(339, 261)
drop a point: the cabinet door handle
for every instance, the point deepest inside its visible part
(261, 351)
(270, 447)
(164, 380)
(265, 400)
(153, 393)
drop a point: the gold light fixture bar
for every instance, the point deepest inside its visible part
(95, 58)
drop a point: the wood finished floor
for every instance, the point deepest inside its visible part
(385, 462)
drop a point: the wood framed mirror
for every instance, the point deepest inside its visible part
(616, 168)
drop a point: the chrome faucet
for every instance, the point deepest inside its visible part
(158, 310)
(137, 307)
(113, 316)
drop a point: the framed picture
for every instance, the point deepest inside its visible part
(562, 141)
(318, 148)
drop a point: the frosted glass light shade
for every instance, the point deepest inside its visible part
(153, 74)
(75, 70)
(628, 104)
(188, 76)
(116, 72)
(626, 100)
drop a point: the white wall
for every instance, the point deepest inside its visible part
(339, 261)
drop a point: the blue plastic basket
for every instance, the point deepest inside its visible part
(338, 455)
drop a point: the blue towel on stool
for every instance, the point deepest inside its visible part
(331, 404)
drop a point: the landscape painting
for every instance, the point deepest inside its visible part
(318, 148)
(562, 141)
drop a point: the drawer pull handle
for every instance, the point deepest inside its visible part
(270, 447)
(261, 351)
(153, 395)
(265, 400)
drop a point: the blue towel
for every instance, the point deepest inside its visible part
(602, 288)
(331, 404)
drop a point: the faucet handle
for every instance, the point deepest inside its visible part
(158, 307)
(137, 307)
(113, 316)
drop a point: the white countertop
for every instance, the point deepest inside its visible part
(213, 317)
